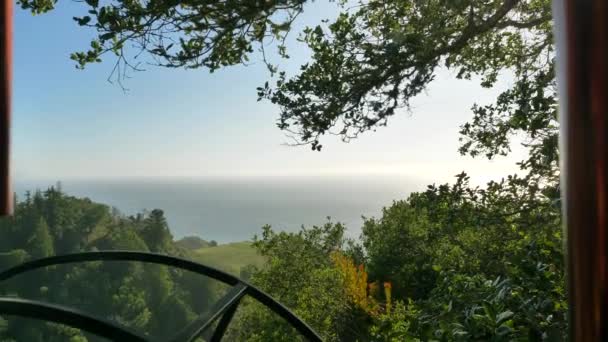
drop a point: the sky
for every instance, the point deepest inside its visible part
(73, 124)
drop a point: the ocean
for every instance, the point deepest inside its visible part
(228, 210)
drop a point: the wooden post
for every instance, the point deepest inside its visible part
(6, 37)
(581, 28)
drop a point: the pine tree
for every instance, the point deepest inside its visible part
(156, 232)
(40, 243)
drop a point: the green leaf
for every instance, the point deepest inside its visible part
(503, 330)
(489, 309)
(82, 21)
(107, 36)
(504, 316)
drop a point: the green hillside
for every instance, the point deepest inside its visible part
(229, 257)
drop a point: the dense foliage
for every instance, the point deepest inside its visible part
(151, 299)
(453, 263)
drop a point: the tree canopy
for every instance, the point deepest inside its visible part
(366, 65)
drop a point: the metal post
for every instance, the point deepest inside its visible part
(582, 45)
(6, 34)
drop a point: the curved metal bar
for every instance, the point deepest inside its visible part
(68, 316)
(153, 258)
(166, 260)
(200, 325)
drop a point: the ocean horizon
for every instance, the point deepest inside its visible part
(234, 209)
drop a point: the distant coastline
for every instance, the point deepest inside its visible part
(234, 209)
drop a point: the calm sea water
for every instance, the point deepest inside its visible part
(229, 210)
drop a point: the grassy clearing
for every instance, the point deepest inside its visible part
(229, 257)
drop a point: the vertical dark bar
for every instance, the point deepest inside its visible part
(6, 33)
(222, 326)
(582, 43)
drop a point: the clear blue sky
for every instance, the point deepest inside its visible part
(175, 123)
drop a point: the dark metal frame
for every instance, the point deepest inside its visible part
(223, 310)
(581, 30)
(6, 50)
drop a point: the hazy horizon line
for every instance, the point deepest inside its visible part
(213, 177)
